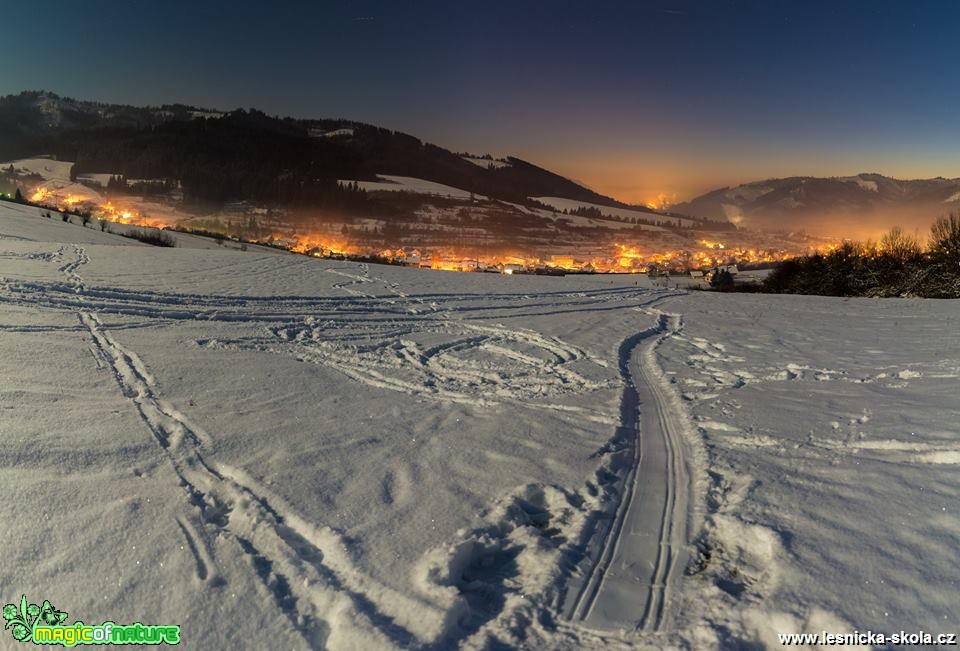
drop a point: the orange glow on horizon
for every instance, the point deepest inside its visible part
(618, 258)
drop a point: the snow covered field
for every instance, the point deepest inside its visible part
(277, 451)
(560, 203)
(46, 168)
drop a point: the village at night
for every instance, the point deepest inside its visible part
(450, 229)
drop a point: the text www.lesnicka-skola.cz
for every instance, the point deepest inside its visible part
(868, 638)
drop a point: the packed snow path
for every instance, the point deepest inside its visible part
(635, 558)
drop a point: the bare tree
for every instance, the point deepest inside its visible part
(945, 237)
(900, 245)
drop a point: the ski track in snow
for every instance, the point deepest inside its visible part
(648, 536)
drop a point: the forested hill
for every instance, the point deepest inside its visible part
(246, 154)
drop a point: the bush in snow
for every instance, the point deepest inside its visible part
(151, 236)
(896, 266)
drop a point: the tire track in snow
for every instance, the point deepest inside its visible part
(647, 538)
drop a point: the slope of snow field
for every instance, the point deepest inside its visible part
(47, 168)
(276, 451)
(560, 203)
(388, 183)
(831, 430)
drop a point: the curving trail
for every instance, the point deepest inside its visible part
(646, 540)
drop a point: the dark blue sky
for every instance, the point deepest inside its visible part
(632, 98)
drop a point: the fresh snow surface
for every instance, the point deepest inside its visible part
(571, 204)
(57, 174)
(21, 222)
(276, 451)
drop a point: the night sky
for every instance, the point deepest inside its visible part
(633, 99)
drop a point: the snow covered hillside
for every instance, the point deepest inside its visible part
(46, 168)
(389, 183)
(560, 203)
(277, 451)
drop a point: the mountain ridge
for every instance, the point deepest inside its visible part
(829, 202)
(247, 154)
